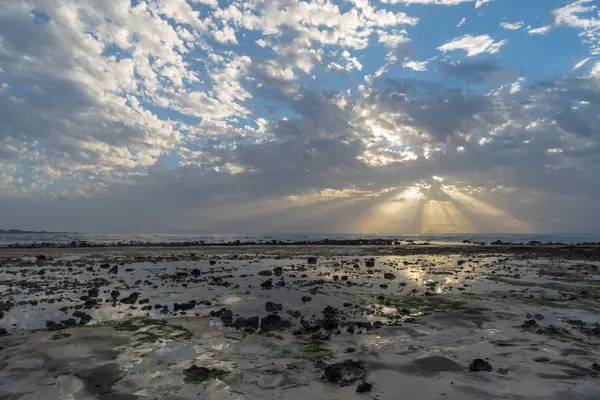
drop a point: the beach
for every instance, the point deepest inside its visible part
(300, 321)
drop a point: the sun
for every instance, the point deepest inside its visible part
(437, 205)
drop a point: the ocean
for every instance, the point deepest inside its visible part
(33, 238)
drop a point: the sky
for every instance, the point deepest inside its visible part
(316, 116)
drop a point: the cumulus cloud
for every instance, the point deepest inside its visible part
(416, 65)
(512, 26)
(582, 15)
(540, 31)
(474, 45)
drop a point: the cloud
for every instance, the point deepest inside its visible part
(416, 65)
(436, 2)
(512, 26)
(596, 70)
(474, 45)
(582, 15)
(540, 31)
(476, 71)
(581, 63)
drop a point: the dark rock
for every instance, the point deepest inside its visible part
(364, 387)
(268, 284)
(383, 286)
(530, 323)
(131, 299)
(596, 367)
(350, 350)
(331, 318)
(3, 332)
(83, 317)
(278, 271)
(196, 272)
(432, 365)
(541, 359)
(196, 374)
(320, 336)
(247, 323)
(311, 326)
(105, 266)
(480, 364)
(183, 306)
(330, 324)
(345, 373)
(273, 322)
(114, 270)
(217, 313)
(503, 371)
(69, 322)
(265, 273)
(306, 299)
(330, 312)
(94, 292)
(272, 307)
(312, 260)
(212, 262)
(115, 294)
(389, 275)
(227, 317)
(54, 326)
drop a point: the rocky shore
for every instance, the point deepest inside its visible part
(300, 321)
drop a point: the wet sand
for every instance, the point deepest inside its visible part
(300, 322)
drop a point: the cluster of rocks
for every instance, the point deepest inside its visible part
(234, 243)
(70, 322)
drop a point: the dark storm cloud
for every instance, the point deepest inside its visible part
(476, 70)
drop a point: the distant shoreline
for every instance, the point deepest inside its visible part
(391, 243)
(20, 232)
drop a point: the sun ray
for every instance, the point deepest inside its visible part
(393, 214)
(497, 217)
